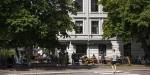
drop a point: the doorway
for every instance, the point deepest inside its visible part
(102, 49)
(81, 49)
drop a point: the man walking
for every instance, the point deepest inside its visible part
(114, 61)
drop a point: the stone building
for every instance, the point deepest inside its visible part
(87, 40)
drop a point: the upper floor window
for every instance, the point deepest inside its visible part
(79, 25)
(94, 5)
(80, 3)
(95, 27)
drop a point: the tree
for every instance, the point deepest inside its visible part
(128, 20)
(28, 23)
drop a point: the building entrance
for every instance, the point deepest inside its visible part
(102, 49)
(81, 49)
(102, 53)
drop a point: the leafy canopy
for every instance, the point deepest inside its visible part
(127, 19)
(31, 23)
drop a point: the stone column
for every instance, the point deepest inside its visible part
(88, 51)
(70, 50)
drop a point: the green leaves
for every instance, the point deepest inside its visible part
(126, 18)
(35, 22)
(7, 52)
(22, 21)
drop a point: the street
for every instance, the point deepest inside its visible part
(100, 70)
(101, 73)
(93, 73)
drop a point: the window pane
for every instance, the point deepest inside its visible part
(79, 25)
(80, 3)
(94, 5)
(94, 27)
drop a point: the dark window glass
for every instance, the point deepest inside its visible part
(80, 4)
(94, 27)
(79, 25)
(94, 5)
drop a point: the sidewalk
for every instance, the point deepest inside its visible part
(74, 69)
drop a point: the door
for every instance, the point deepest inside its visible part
(81, 49)
(102, 49)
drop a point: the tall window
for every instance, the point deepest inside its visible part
(94, 5)
(80, 4)
(79, 25)
(95, 27)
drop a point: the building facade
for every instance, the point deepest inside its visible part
(87, 39)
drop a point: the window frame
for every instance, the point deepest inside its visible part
(96, 4)
(98, 31)
(81, 10)
(82, 26)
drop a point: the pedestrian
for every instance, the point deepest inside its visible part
(114, 61)
(73, 58)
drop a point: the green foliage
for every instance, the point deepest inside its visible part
(7, 52)
(127, 19)
(22, 21)
(28, 23)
